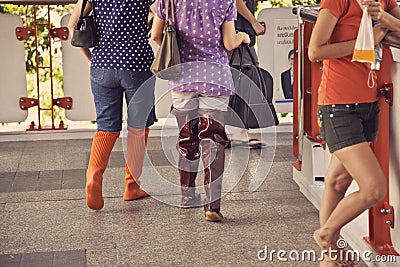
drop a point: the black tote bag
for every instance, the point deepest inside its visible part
(251, 107)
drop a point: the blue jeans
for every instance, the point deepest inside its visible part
(108, 87)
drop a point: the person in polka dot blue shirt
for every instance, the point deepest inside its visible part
(200, 95)
(119, 65)
(123, 42)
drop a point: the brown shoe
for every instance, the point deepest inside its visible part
(213, 216)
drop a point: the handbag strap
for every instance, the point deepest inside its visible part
(237, 50)
(170, 3)
(262, 86)
(247, 48)
(240, 50)
(84, 2)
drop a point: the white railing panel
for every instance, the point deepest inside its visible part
(12, 70)
(76, 81)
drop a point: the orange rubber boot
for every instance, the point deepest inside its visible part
(136, 146)
(102, 145)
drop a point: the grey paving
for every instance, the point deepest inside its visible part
(45, 222)
(43, 259)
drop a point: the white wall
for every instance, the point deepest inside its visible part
(12, 70)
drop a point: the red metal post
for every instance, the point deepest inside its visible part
(312, 72)
(36, 65)
(296, 164)
(381, 216)
(62, 33)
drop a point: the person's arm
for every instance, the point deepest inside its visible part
(152, 9)
(245, 13)
(232, 39)
(74, 19)
(157, 30)
(318, 47)
(391, 20)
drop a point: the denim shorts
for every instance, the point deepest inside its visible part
(345, 125)
(108, 88)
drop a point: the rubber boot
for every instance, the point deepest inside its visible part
(102, 145)
(213, 141)
(189, 155)
(136, 146)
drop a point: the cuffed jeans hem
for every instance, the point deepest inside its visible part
(109, 130)
(140, 125)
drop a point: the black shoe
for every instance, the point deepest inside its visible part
(191, 202)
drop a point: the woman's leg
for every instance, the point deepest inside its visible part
(102, 145)
(361, 164)
(139, 96)
(212, 118)
(108, 102)
(185, 110)
(337, 181)
(136, 147)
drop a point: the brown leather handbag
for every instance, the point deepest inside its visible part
(167, 62)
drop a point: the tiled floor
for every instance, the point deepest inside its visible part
(45, 222)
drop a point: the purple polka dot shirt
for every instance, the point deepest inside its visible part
(198, 26)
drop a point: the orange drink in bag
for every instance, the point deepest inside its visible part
(364, 55)
(364, 47)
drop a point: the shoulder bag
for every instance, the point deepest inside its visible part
(167, 62)
(85, 30)
(251, 107)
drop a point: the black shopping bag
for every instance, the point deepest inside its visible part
(251, 107)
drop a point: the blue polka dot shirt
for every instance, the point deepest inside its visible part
(123, 43)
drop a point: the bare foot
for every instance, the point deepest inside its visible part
(344, 261)
(327, 263)
(338, 257)
(326, 243)
(341, 253)
(322, 239)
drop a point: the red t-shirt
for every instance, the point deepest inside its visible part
(344, 81)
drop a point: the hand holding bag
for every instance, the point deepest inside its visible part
(85, 30)
(167, 62)
(364, 48)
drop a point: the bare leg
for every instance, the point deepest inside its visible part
(361, 164)
(337, 181)
(327, 263)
